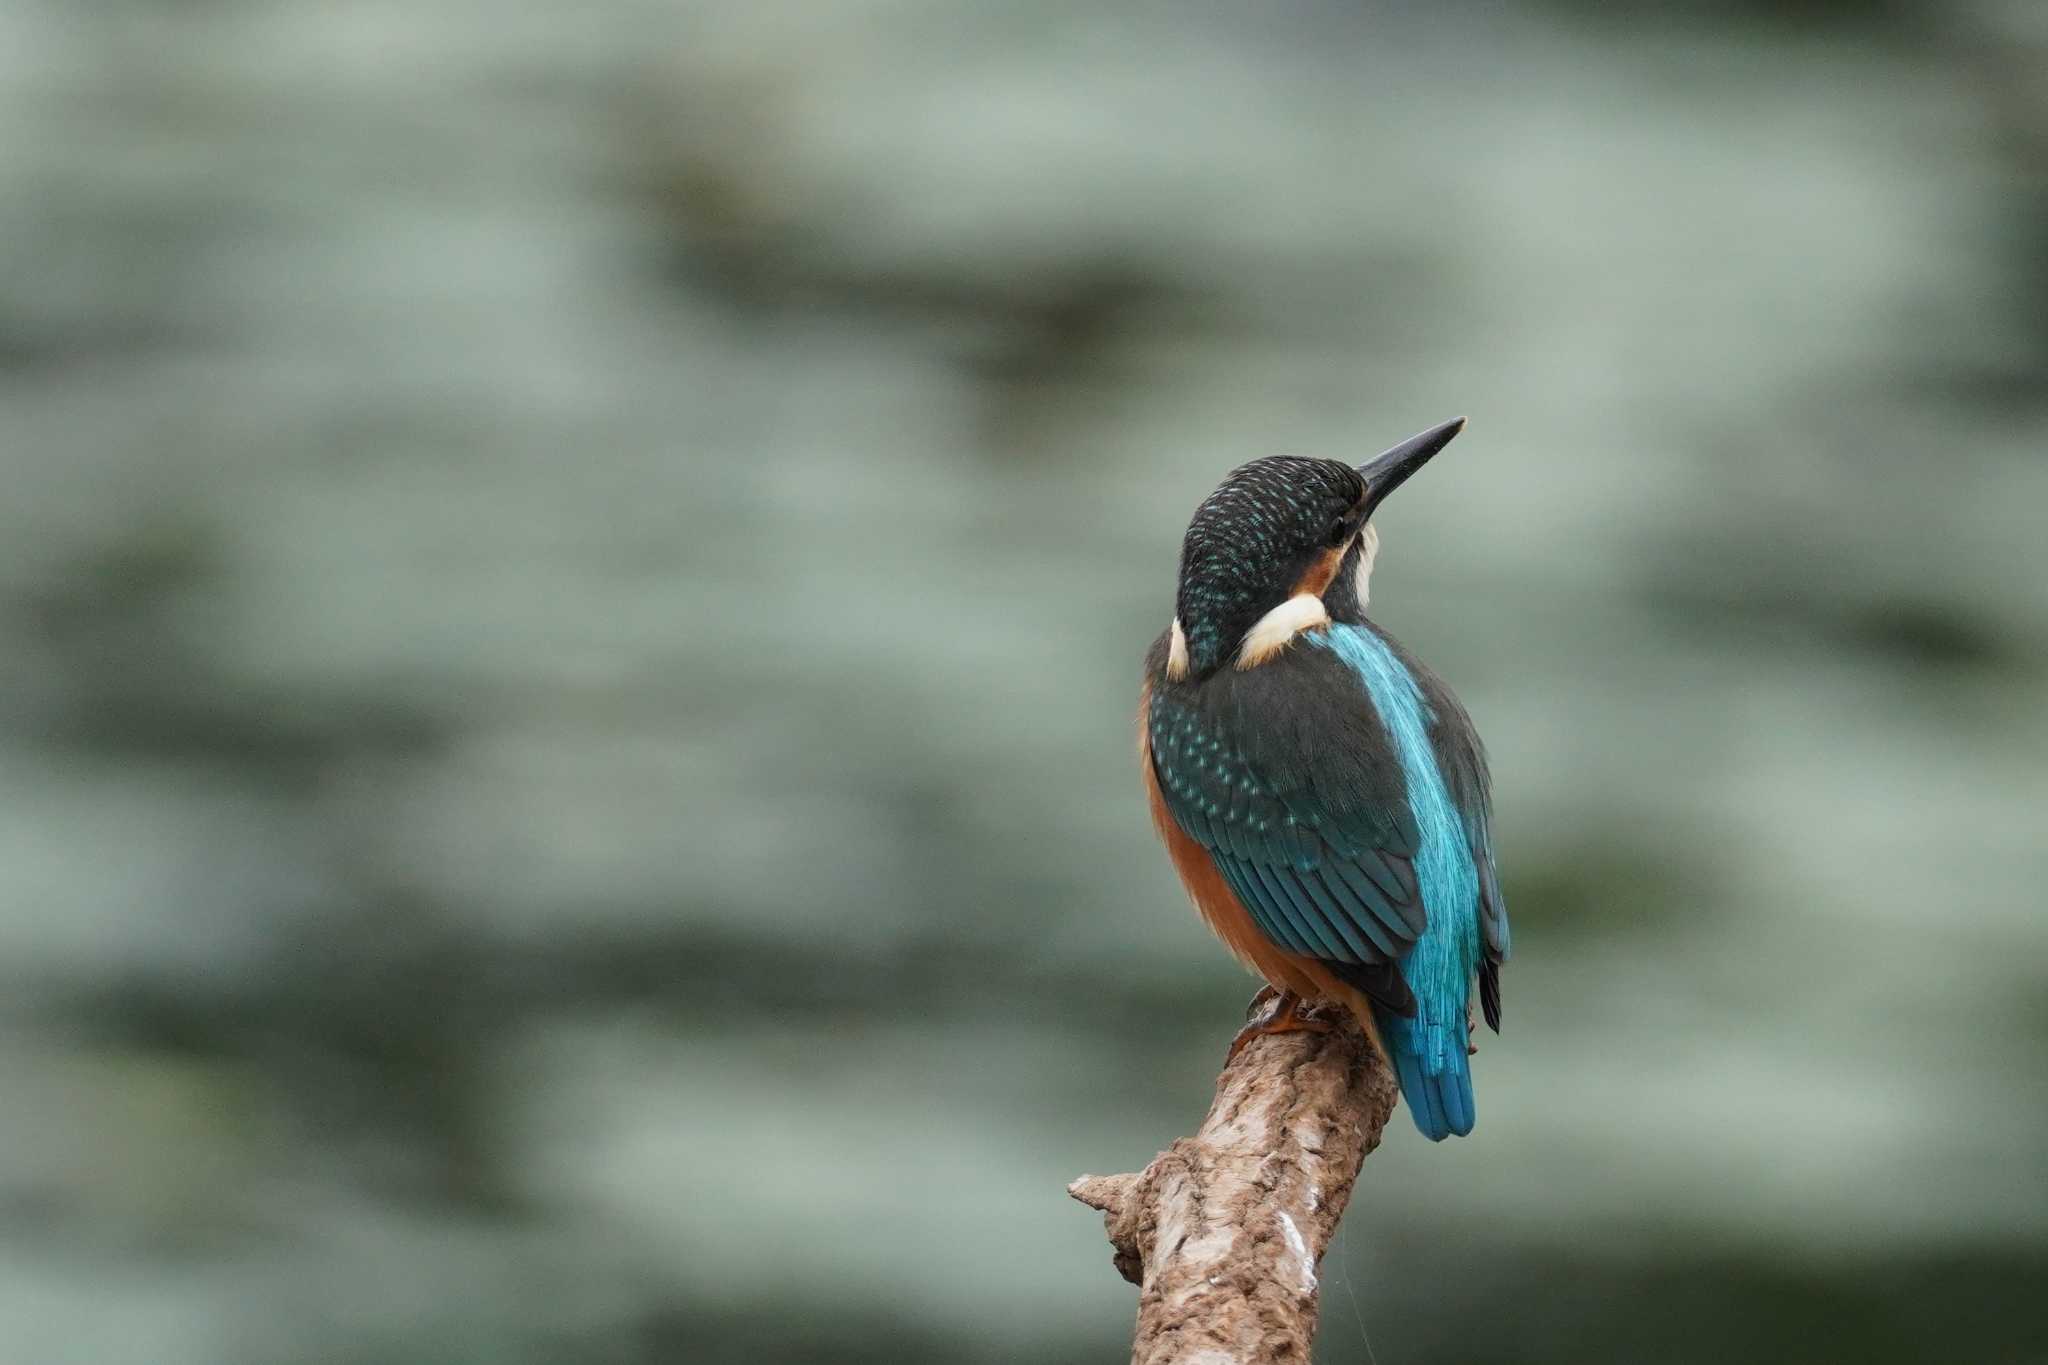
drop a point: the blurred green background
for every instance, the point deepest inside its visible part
(571, 580)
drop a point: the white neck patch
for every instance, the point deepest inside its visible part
(1303, 611)
(1177, 653)
(1368, 550)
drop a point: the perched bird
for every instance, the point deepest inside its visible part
(1324, 797)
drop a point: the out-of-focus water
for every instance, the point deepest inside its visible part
(569, 605)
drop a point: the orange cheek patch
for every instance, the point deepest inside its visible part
(1320, 573)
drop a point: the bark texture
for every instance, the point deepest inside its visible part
(1224, 1232)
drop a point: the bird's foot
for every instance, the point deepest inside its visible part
(1471, 1032)
(1289, 1013)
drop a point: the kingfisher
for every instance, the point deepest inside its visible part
(1323, 796)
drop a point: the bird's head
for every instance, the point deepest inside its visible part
(1280, 543)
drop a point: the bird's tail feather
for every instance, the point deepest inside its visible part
(1439, 1099)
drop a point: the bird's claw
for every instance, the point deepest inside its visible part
(1289, 1014)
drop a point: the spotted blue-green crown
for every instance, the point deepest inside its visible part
(1249, 544)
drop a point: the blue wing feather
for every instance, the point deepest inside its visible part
(1300, 832)
(1462, 759)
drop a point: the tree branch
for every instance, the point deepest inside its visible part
(1224, 1232)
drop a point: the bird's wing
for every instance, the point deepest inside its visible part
(1284, 774)
(1462, 759)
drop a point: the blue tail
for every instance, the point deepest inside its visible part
(1441, 1103)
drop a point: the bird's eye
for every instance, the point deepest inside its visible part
(1338, 533)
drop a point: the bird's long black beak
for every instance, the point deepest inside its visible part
(1391, 470)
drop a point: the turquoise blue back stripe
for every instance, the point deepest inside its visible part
(1430, 1047)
